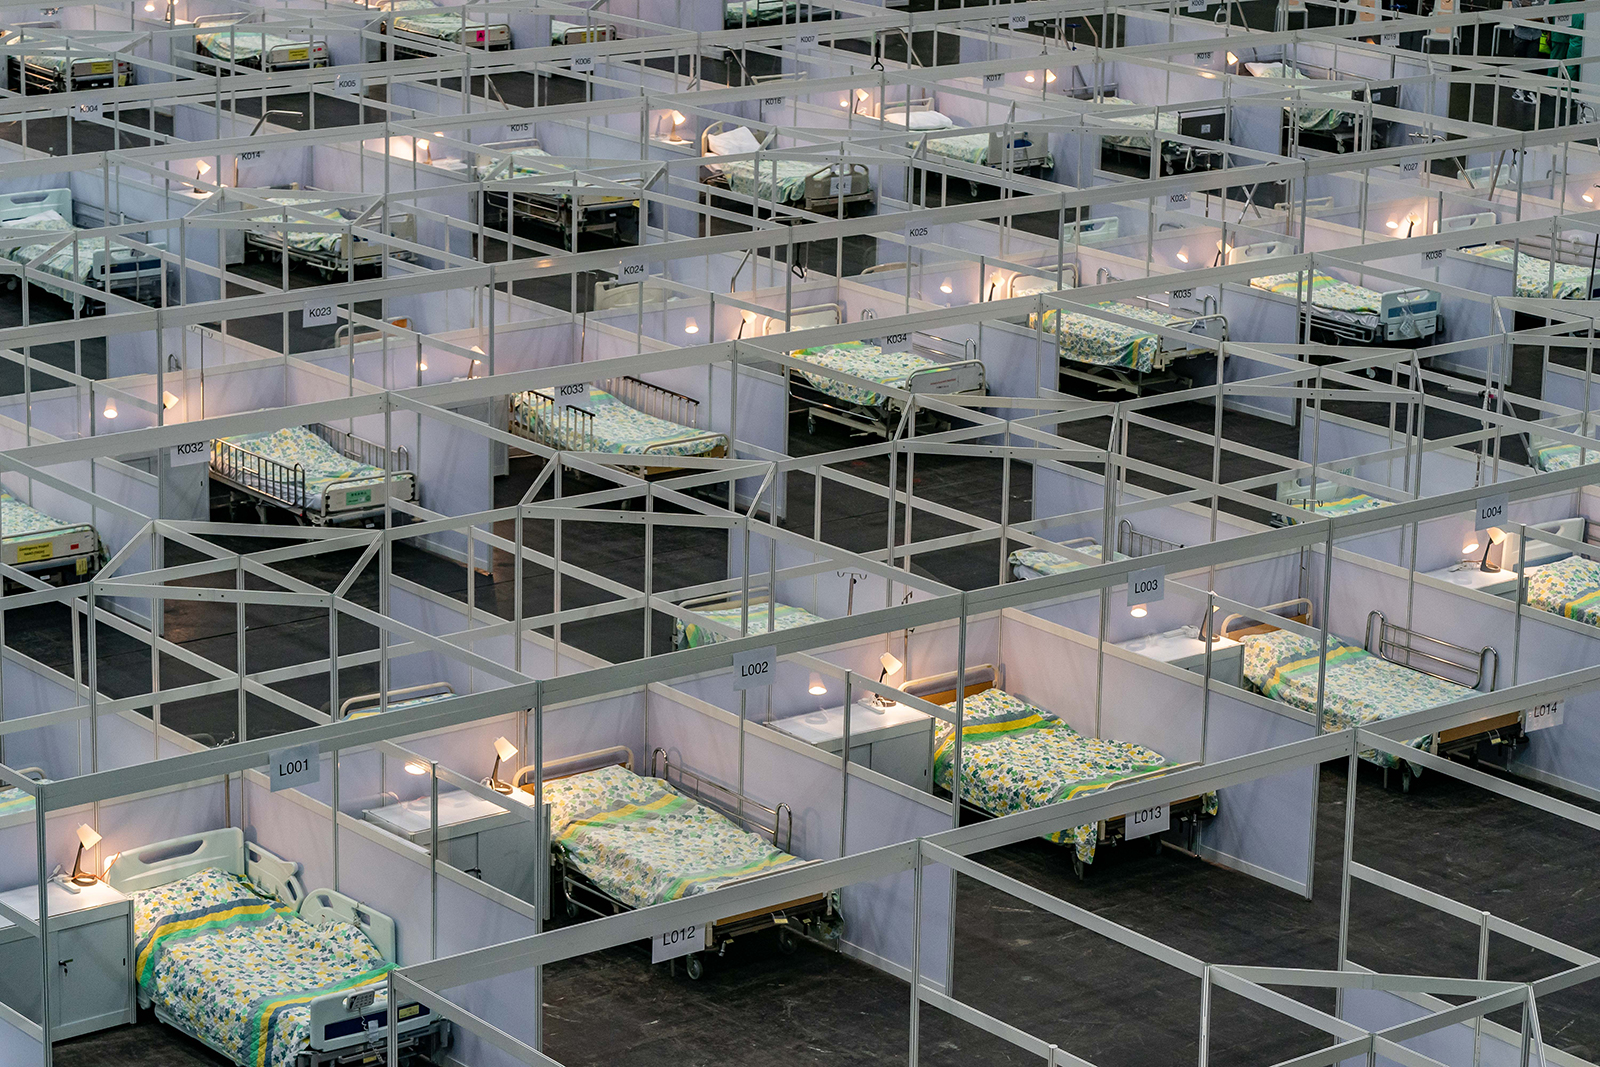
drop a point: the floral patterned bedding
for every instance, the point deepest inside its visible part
(1361, 687)
(1316, 119)
(787, 176)
(1568, 587)
(1016, 757)
(15, 800)
(643, 843)
(396, 705)
(862, 360)
(329, 241)
(323, 466)
(1564, 457)
(1042, 563)
(691, 635)
(1327, 291)
(1168, 124)
(20, 522)
(440, 25)
(238, 970)
(1533, 274)
(1089, 339)
(60, 263)
(1348, 505)
(616, 427)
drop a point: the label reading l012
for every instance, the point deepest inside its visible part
(754, 669)
(291, 767)
(679, 942)
(191, 452)
(1543, 716)
(1147, 586)
(1492, 510)
(1143, 823)
(318, 313)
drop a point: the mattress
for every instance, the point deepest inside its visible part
(781, 179)
(1016, 757)
(862, 360)
(1533, 274)
(1316, 119)
(617, 428)
(919, 120)
(61, 264)
(1090, 339)
(691, 635)
(969, 148)
(15, 800)
(20, 523)
(330, 241)
(642, 842)
(1039, 563)
(1332, 298)
(396, 705)
(1168, 124)
(591, 32)
(323, 465)
(440, 25)
(244, 45)
(1568, 587)
(1349, 505)
(759, 12)
(1361, 688)
(57, 62)
(238, 970)
(1564, 457)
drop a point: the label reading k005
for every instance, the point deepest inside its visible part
(1147, 586)
(754, 669)
(318, 313)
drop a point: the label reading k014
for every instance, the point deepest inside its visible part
(754, 669)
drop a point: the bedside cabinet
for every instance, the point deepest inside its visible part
(475, 836)
(91, 946)
(895, 741)
(1189, 653)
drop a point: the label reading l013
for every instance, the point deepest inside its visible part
(291, 767)
(318, 313)
(679, 942)
(1147, 586)
(754, 669)
(1543, 716)
(191, 452)
(1156, 820)
(1492, 510)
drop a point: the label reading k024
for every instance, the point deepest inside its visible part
(191, 452)
(754, 669)
(1147, 586)
(290, 767)
(318, 313)
(1492, 510)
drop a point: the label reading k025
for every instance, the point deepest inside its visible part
(318, 313)
(917, 232)
(191, 452)
(754, 669)
(1492, 510)
(290, 767)
(1147, 586)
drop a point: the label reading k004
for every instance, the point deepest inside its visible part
(318, 313)
(754, 669)
(89, 110)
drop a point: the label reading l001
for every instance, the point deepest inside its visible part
(291, 767)
(680, 942)
(1147, 586)
(318, 313)
(1492, 510)
(1543, 716)
(1143, 823)
(754, 669)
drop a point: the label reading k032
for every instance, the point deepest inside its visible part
(1492, 510)
(1147, 586)
(191, 452)
(290, 767)
(318, 313)
(754, 669)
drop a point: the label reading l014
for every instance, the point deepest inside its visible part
(1156, 820)
(679, 942)
(754, 669)
(191, 452)
(1543, 716)
(1492, 510)
(1147, 586)
(318, 313)
(291, 767)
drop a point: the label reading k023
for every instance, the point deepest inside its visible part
(754, 669)
(290, 767)
(318, 313)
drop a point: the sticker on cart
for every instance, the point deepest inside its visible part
(1173, 202)
(696, 937)
(583, 64)
(1020, 22)
(1143, 823)
(572, 394)
(288, 768)
(318, 313)
(1390, 40)
(754, 669)
(191, 452)
(89, 110)
(839, 185)
(1543, 716)
(807, 39)
(1147, 586)
(1492, 510)
(36, 553)
(347, 83)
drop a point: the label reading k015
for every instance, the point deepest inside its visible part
(318, 313)
(290, 767)
(754, 669)
(1147, 586)
(1492, 510)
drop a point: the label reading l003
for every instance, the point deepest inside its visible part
(754, 669)
(1147, 586)
(318, 313)
(291, 767)
(1492, 510)
(680, 942)
(1143, 823)
(1543, 716)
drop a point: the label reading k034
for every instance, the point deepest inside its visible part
(318, 313)
(191, 452)
(290, 767)
(754, 669)
(1147, 586)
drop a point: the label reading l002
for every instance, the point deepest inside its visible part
(1492, 510)
(680, 942)
(1147, 586)
(1143, 823)
(291, 767)
(318, 313)
(1543, 716)
(191, 452)
(754, 669)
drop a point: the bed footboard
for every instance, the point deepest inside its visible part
(846, 183)
(1409, 314)
(359, 1018)
(963, 376)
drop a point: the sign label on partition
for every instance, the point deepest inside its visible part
(288, 768)
(250, 157)
(1203, 57)
(1543, 716)
(1492, 510)
(520, 127)
(1020, 22)
(772, 101)
(572, 393)
(917, 231)
(1197, 7)
(1147, 586)
(347, 83)
(994, 79)
(1174, 202)
(1143, 823)
(91, 110)
(754, 669)
(191, 452)
(680, 942)
(1411, 168)
(583, 64)
(807, 40)
(1183, 294)
(1390, 40)
(318, 313)
(1432, 258)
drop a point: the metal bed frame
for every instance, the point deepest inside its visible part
(593, 33)
(1025, 154)
(817, 916)
(760, 597)
(636, 393)
(373, 701)
(1111, 832)
(269, 247)
(1131, 542)
(1176, 158)
(121, 270)
(88, 72)
(823, 192)
(1530, 247)
(281, 485)
(274, 58)
(593, 212)
(1410, 313)
(1342, 138)
(1162, 364)
(492, 36)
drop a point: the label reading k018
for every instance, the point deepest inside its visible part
(754, 669)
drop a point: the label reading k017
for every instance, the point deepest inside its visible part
(754, 669)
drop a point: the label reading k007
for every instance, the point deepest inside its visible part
(807, 39)
(290, 767)
(318, 313)
(754, 669)
(1147, 586)
(1492, 510)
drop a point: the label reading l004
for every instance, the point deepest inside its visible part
(191, 452)
(1492, 510)
(680, 942)
(1156, 820)
(1147, 586)
(291, 767)
(754, 669)
(318, 313)
(1543, 716)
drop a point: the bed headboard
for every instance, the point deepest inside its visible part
(1457, 223)
(1304, 615)
(615, 293)
(164, 862)
(902, 107)
(373, 701)
(226, 18)
(280, 877)
(805, 318)
(324, 905)
(14, 206)
(1540, 552)
(567, 766)
(941, 688)
(1263, 250)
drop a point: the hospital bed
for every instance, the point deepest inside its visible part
(696, 836)
(423, 20)
(1016, 757)
(231, 950)
(1330, 498)
(321, 475)
(578, 33)
(613, 293)
(323, 250)
(40, 544)
(368, 704)
(821, 188)
(1398, 670)
(624, 416)
(920, 368)
(1547, 454)
(1041, 563)
(1341, 312)
(125, 271)
(554, 206)
(1129, 153)
(1535, 276)
(226, 41)
(1020, 149)
(1558, 581)
(741, 13)
(1326, 128)
(15, 800)
(724, 613)
(52, 69)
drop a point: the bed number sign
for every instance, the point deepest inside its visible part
(631, 270)
(806, 40)
(1147, 586)
(250, 157)
(1156, 820)
(90, 110)
(1174, 202)
(754, 669)
(571, 393)
(1183, 294)
(347, 83)
(917, 232)
(772, 101)
(1433, 257)
(839, 185)
(292, 767)
(191, 452)
(1543, 716)
(679, 942)
(1197, 7)
(1390, 40)
(1492, 510)
(1410, 168)
(318, 313)
(994, 79)
(583, 64)
(1017, 22)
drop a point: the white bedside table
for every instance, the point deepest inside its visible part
(91, 942)
(896, 741)
(1495, 583)
(1227, 657)
(474, 836)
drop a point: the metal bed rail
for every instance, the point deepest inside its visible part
(363, 451)
(259, 474)
(1131, 542)
(654, 400)
(1431, 655)
(732, 803)
(570, 427)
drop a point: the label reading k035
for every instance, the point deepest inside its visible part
(754, 669)
(1156, 820)
(318, 313)
(1147, 586)
(290, 767)
(191, 452)
(1492, 510)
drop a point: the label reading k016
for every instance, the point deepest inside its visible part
(754, 669)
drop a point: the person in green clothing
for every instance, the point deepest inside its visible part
(1567, 45)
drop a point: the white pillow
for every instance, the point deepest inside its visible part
(44, 220)
(1268, 70)
(734, 142)
(920, 120)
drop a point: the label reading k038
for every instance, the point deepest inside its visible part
(1147, 586)
(318, 313)
(754, 669)
(290, 767)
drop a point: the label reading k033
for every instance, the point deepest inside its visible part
(318, 313)
(290, 767)
(754, 669)
(572, 393)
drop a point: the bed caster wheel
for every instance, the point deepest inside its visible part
(1155, 844)
(694, 967)
(1407, 777)
(787, 942)
(811, 424)
(11, 284)
(571, 909)
(1079, 868)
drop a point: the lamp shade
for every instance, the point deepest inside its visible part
(891, 665)
(88, 835)
(505, 749)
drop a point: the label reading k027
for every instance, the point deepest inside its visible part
(754, 669)
(318, 313)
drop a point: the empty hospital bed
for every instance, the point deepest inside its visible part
(320, 475)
